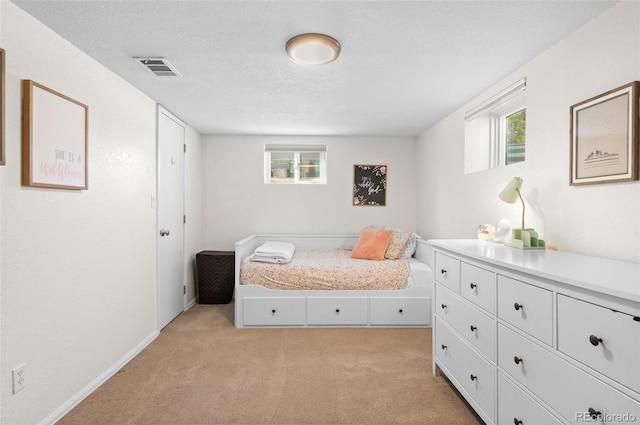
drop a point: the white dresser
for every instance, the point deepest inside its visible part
(537, 337)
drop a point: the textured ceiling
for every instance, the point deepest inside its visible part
(404, 64)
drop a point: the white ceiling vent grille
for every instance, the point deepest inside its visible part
(158, 66)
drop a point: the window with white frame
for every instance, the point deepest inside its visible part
(495, 131)
(295, 164)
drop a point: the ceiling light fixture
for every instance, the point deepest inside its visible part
(313, 49)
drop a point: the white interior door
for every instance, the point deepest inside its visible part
(171, 268)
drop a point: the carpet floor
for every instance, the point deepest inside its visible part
(201, 370)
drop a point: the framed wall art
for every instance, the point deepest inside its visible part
(604, 137)
(54, 139)
(2, 107)
(369, 185)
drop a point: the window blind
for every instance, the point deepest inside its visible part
(281, 147)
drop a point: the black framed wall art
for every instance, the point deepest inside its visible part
(369, 185)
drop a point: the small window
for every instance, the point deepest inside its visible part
(495, 131)
(295, 164)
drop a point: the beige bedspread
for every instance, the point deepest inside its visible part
(326, 269)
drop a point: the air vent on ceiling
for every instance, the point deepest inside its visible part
(158, 66)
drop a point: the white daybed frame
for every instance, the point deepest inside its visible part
(257, 306)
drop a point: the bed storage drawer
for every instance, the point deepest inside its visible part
(400, 311)
(337, 311)
(264, 311)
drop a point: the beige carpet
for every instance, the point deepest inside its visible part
(201, 370)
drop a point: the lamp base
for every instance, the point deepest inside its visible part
(525, 239)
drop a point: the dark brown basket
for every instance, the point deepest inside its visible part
(216, 276)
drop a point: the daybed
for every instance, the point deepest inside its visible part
(258, 306)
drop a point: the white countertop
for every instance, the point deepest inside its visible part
(617, 278)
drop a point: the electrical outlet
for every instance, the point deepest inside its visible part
(19, 375)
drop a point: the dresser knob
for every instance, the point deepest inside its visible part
(473, 286)
(517, 421)
(517, 359)
(444, 347)
(594, 340)
(400, 311)
(443, 306)
(518, 306)
(444, 272)
(273, 311)
(473, 377)
(473, 328)
(337, 311)
(595, 414)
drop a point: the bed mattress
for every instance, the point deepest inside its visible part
(331, 269)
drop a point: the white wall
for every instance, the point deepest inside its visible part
(237, 203)
(600, 220)
(78, 279)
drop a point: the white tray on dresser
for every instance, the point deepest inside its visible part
(537, 337)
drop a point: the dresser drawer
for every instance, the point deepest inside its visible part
(526, 307)
(400, 311)
(466, 368)
(516, 407)
(274, 311)
(447, 272)
(565, 388)
(337, 311)
(478, 286)
(476, 327)
(603, 339)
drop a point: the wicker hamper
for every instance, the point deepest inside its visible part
(216, 276)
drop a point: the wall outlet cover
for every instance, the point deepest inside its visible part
(19, 375)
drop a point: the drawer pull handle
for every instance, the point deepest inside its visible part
(444, 347)
(594, 340)
(518, 306)
(337, 311)
(517, 421)
(595, 414)
(473, 286)
(444, 272)
(473, 328)
(473, 377)
(518, 360)
(443, 306)
(400, 311)
(273, 311)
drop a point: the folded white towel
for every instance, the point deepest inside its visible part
(274, 252)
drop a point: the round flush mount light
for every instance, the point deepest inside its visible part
(313, 49)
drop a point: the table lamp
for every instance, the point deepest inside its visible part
(522, 238)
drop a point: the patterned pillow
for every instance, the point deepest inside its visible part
(412, 245)
(397, 245)
(412, 242)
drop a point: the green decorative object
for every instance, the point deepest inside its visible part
(525, 239)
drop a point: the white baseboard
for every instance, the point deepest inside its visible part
(93, 385)
(190, 304)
